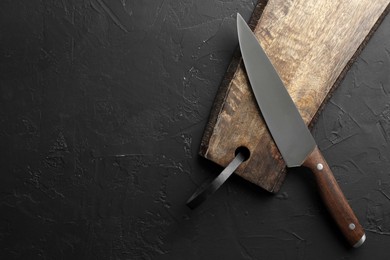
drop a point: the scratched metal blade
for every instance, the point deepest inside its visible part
(286, 125)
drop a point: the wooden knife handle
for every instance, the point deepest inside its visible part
(334, 199)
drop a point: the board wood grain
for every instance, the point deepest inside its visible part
(311, 43)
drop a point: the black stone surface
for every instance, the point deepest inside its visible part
(102, 108)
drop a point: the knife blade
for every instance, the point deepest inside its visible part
(290, 133)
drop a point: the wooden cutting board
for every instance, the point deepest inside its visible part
(311, 44)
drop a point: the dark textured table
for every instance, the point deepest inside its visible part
(103, 105)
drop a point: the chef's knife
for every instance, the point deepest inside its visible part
(290, 133)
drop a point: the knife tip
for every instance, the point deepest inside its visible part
(240, 22)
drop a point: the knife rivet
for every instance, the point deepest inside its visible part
(351, 226)
(320, 166)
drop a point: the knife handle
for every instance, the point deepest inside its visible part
(334, 199)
